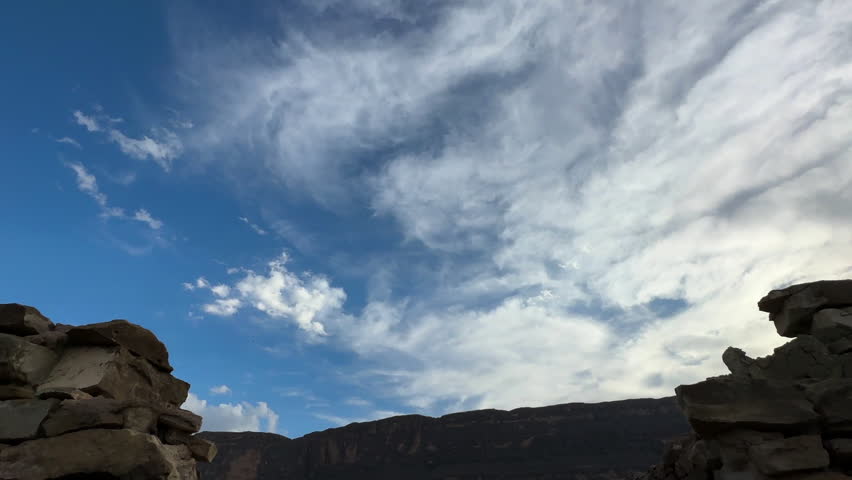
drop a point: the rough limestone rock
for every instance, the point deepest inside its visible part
(133, 337)
(122, 453)
(784, 416)
(788, 455)
(21, 320)
(21, 362)
(727, 403)
(91, 401)
(21, 418)
(115, 373)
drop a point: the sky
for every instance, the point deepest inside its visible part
(335, 211)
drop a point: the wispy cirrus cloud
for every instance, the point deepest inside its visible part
(257, 229)
(602, 191)
(88, 184)
(162, 147)
(69, 141)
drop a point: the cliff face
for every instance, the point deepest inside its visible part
(612, 440)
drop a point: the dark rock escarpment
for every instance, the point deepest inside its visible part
(92, 401)
(612, 440)
(784, 416)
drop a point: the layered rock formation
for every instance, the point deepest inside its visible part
(91, 401)
(604, 441)
(787, 415)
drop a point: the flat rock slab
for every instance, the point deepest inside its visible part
(181, 420)
(22, 418)
(135, 338)
(201, 449)
(116, 373)
(792, 308)
(727, 403)
(21, 362)
(13, 392)
(72, 415)
(115, 452)
(787, 455)
(21, 320)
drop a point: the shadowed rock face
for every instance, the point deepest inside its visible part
(612, 440)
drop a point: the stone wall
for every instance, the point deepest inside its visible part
(91, 401)
(784, 416)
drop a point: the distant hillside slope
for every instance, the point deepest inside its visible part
(611, 440)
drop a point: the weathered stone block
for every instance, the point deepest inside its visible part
(21, 320)
(727, 403)
(832, 398)
(116, 373)
(120, 453)
(21, 362)
(201, 449)
(72, 415)
(792, 308)
(179, 419)
(20, 419)
(787, 455)
(135, 338)
(803, 357)
(12, 392)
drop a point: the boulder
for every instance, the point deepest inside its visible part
(840, 346)
(72, 415)
(63, 393)
(21, 362)
(121, 453)
(792, 308)
(734, 447)
(141, 419)
(803, 357)
(53, 339)
(179, 419)
(116, 373)
(202, 449)
(804, 452)
(135, 338)
(832, 399)
(832, 324)
(21, 320)
(12, 392)
(22, 418)
(737, 361)
(727, 403)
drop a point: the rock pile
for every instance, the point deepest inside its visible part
(784, 416)
(91, 401)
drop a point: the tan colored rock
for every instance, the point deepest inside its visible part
(180, 419)
(727, 403)
(804, 452)
(116, 373)
(135, 338)
(203, 450)
(21, 320)
(141, 419)
(171, 436)
(13, 392)
(21, 362)
(21, 418)
(115, 452)
(73, 415)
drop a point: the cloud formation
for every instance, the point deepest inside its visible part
(233, 417)
(603, 191)
(163, 146)
(88, 184)
(220, 390)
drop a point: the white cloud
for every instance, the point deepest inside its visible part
(253, 226)
(88, 184)
(86, 121)
(305, 299)
(357, 402)
(163, 146)
(220, 390)
(586, 163)
(69, 141)
(233, 417)
(144, 216)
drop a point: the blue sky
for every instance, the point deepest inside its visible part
(339, 211)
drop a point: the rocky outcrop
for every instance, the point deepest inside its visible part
(91, 401)
(784, 416)
(603, 441)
